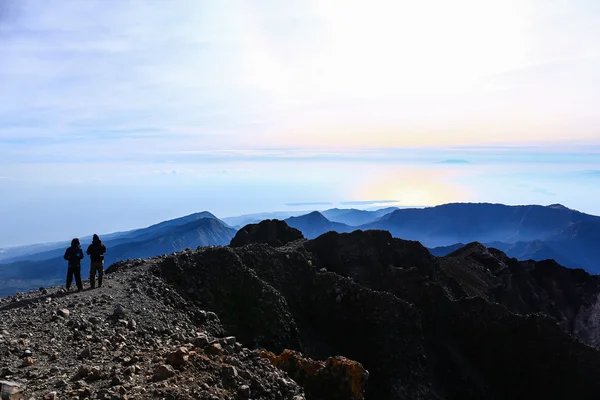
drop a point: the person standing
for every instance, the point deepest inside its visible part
(96, 252)
(74, 255)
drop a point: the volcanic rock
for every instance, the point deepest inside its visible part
(336, 378)
(178, 358)
(163, 372)
(273, 232)
(473, 325)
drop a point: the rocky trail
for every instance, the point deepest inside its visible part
(274, 316)
(118, 342)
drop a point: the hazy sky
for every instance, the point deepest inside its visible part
(118, 114)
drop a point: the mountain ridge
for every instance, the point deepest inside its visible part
(167, 239)
(573, 244)
(476, 324)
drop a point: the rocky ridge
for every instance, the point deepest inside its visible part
(135, 337)
(473, 325)
(273, 232)
(424, 327)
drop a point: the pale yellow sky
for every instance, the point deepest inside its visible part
(396, 73)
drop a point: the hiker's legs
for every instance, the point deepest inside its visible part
(77, 272)
(92, 274)
(100, 269)
(69, 277)
(96, 266)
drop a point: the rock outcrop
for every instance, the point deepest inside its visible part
(424, 327)
(335, 379)
(273, 232)
(571, 296)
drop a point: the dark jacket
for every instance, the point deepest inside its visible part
(74, 255)
(96, 250)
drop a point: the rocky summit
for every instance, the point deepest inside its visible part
(342, 316)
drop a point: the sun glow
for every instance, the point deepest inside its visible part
(413, 187)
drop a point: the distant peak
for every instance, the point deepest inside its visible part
(558, 206)
(312, 217)
(204, 214)
(468, 249)
(315, 215)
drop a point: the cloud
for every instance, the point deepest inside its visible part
(368, 202)
(220, 171)
(139, 71)
(309, 203)
(543, 191)
(454, 161)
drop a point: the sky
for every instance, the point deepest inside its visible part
(119, 114)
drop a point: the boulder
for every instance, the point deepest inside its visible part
(273, 232)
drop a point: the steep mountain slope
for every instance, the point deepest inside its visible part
(137, 338)
(314, 224)
(159, 239)
(112, 239)
(575, 247)
(571, 296)
(379, 213)
(466, 222)
(355, 217)
(441, 251)
(12, 253)
(538, 250)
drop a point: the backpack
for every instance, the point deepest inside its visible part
(74, 255)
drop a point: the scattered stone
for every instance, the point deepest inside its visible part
(86, 353)
(63, 313)
(131, 325)
(82, 372)
(230, 371)
(214, 349)
(178, 358)
(163, 372)
(211, 316)
(230, 340)
(116, 381)
(201, 340)
(119, 311)
(95, 374)
(244, 390)
(28, 361)
(229, 375)
(50, 396)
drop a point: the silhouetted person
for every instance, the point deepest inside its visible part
(96, 252)
(74, 255)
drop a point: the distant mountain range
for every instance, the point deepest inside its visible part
(535, 232)
(48, 267)
(354, 217)
(351, 217)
